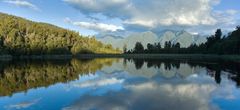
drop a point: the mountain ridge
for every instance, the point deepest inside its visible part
(183, 37)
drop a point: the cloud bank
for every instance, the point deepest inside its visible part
(156, 14)
(150, 95)
(96, 26)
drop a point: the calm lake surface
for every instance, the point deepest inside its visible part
(120, 84)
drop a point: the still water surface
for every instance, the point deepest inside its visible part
(119, 84)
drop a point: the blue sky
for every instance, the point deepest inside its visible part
(90, 17)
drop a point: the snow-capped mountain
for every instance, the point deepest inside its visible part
(130, 41)
(183, 37)
(144, 38)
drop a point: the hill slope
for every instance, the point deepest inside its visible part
(19, 36)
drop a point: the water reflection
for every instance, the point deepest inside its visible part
(125, 84)
(214, 68)
(22, 105)
(20, 76)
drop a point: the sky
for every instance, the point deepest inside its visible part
(121, 17)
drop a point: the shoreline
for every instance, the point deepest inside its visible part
(165, 56)
(137, 56)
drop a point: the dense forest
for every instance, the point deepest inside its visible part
(216, 44)
(19, 36)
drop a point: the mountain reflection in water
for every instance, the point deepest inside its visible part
(106, 84)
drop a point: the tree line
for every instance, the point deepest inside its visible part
(215, 44)
(19, 36)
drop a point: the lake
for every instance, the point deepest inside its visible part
(119, 84)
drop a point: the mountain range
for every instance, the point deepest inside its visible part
(183, 37)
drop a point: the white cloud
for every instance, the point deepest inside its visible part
(155, 15)
(226, 20)
(23, 105)
(22, 3)
(96, 26)
(151, 13)
(147, 95)
(231, 12)
(99, 82)
(215, 2)
(95, 5)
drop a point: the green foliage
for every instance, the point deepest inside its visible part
(22, 37)
(138, 48)
(125, 48)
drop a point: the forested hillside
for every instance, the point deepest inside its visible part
(19, 36)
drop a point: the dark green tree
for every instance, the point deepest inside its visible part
(218, 34)
(138, 48)
(177, 45)
(125, 48)
(150, 48)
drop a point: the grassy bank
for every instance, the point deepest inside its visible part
(164, 56)
(52, 57)
(5, 57)
(145, 56)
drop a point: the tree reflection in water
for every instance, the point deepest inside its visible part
(18, 76)
(214, 68)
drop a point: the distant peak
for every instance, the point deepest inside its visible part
(112, 36)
